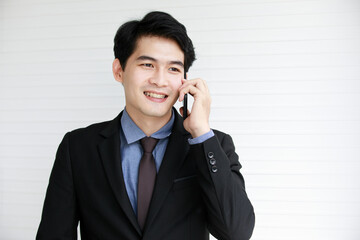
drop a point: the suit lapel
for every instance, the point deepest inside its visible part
(176, 151)
(175, 154)
(109, 150)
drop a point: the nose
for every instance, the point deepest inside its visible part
(159, 78)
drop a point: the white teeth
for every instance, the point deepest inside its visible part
(154, 95)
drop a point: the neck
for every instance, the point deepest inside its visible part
(150, 124)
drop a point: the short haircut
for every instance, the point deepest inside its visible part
(157, 24)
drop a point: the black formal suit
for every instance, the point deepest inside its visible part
(198, 189)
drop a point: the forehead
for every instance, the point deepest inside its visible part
(159, 48)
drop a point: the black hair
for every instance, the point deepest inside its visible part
(158, 24)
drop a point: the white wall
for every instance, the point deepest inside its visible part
(285, 82)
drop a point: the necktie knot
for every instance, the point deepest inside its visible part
(148, 144)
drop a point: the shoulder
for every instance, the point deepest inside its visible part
(95, 131)
(90, 129)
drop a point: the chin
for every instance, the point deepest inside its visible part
(157, 113)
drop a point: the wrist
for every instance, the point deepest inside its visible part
(199, 131)
(202, 138)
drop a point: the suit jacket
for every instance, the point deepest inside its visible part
(198, 189)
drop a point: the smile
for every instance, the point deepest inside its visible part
(155, 95)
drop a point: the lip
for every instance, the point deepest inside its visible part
(155, 99)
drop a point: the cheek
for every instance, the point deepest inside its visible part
(132, 83)
(176, 83)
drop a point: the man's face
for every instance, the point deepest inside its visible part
(152, 77)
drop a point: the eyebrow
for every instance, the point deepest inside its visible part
(155, 60)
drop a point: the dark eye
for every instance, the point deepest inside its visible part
(148, 65)
(173, 69)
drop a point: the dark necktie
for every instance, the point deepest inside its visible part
(147, 176)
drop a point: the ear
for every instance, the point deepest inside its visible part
(117, 70)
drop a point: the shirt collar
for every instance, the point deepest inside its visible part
(133, 133)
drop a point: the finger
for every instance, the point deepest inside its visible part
(201, 84)
(194, 87)
(181, 95)
(190, 89)
(198, 83)
(181, 92)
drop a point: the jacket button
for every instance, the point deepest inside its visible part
(210, 154)
(212, 161)
(214, 169)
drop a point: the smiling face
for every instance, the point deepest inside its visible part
(151, 78)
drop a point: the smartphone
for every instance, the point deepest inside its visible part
(185, 103)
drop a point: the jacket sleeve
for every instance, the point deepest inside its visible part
(59, 217)
(230, 214)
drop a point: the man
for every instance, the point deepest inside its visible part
(187, 184)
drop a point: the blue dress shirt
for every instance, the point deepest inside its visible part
(131, 150)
